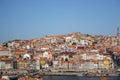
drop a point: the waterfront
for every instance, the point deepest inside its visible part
(77, 78)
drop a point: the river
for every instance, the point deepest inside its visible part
(75, 78)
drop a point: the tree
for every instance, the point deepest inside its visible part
(5, 44)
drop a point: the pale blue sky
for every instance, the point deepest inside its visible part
(29, 19)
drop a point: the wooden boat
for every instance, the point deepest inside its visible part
(104, 78)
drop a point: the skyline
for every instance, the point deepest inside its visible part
(28, 19)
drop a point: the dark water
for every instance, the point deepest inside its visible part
(73, 78)
(76, 78)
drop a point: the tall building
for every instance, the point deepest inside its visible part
(118, 35)
(118, 32)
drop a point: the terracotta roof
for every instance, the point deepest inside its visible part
(3, 49)
(18, 52)
(45, 46)
(16, 41)
(72, 46)
(38, 51)
(5, 59)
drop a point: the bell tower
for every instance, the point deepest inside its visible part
(118, 36)
(118, 32)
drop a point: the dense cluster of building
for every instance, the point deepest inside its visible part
(75, 51)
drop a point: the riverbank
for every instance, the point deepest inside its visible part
(76, 74)
(71, 72)
(55, 73)
(77, 78)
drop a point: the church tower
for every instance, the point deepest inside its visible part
(118, 36)
(118, 32)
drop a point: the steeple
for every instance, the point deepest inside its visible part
(118, 32)
(118, 36)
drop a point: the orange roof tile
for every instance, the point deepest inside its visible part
(38, 51)
(6, 58)
(18, 52)
(72, 46)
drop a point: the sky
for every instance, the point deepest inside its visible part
(29, 19)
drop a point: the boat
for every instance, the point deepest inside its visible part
(104, 77)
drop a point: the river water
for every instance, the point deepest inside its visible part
(77, 78)
(73, 78)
